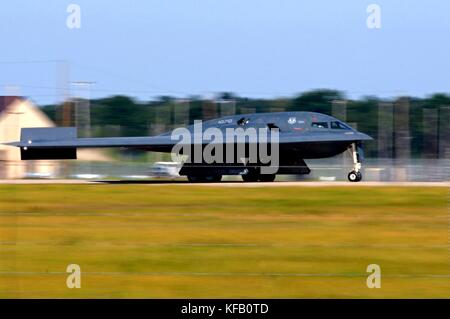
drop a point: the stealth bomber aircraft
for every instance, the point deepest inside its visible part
(299, 136)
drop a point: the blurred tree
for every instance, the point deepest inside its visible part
(128, 117)
(316, 101)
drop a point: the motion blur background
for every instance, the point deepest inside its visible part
(144, 67)
(149, 66)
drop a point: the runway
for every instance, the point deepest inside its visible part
(225, 183)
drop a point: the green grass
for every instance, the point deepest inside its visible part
(181, 241)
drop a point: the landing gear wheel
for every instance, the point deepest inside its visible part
(213, 178)
(195, 178)
(204, 178)
(267, 177)
(354, 176)
(251, 176)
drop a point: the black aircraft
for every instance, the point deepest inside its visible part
(300, 135)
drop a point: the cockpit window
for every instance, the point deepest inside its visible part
(339, 126)
(243, 121)
(319, 124)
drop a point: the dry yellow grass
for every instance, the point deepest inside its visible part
(191, 242)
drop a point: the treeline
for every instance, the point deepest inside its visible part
(125, 116)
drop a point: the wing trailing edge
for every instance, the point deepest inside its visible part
(28, 136)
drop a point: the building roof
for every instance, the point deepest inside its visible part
(6, 100)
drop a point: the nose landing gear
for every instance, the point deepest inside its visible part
(355, 175)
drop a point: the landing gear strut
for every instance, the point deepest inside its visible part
(355, 175)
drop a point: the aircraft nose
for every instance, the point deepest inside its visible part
(365, 137)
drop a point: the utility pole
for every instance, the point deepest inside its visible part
(83, 107)
(64, 115)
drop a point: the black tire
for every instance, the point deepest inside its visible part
(195, 178)
(354, 176)
(359, 176)
(267, 177)
(213, 178)
(251, 176)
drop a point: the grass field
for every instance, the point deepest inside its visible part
(178, 241)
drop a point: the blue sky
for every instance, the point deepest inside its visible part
(254, 47)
